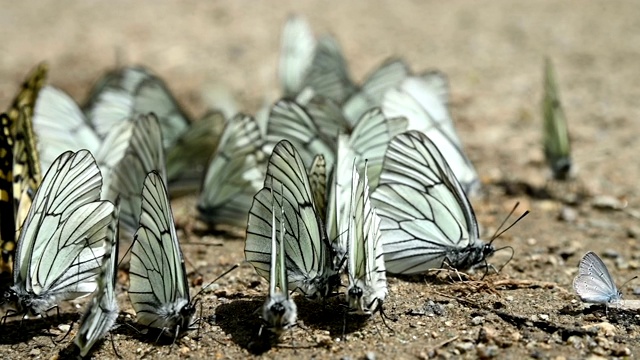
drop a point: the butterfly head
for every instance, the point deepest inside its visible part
(279, 313)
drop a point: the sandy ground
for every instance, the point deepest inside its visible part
(492, 52)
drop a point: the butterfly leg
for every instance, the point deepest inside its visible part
(113, 345)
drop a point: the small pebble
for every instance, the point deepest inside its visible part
(487, 352)
(64, 327)
(184, 350)
(34, 352)
(478, 320)
(610, 253)
(568, 214)
(544, 317)
(465, 346)
(370, 355)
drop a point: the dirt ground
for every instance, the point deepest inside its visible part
(493, 53)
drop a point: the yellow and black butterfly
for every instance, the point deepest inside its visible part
(20, 173)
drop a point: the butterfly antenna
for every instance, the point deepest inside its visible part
(235, 266)
(510, 258)
(628, 281)
(499, 232)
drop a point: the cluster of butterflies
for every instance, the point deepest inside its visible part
(334, 177)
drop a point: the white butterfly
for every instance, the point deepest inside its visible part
(423, 101)
(279, 312)
(427, 220)
(309, 262)
(235, 173)
(593, 283)
(62, 241)
(371, 92)
(102, 312)
(159, 290)
(367, 278)
(129, 153)
(131, 91)
(310, 64)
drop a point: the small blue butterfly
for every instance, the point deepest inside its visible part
(593, 283)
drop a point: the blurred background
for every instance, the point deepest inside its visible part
(492, 52)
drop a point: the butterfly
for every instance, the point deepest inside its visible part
(128, 92)
(102, 312)
(279, 312)
(129, 152)
(366, 269)
(307, 64)
(159, 290)
(120, 98)
(426, 218)
(61, 244)
(235, 173)
(423, 101)
(20, 174)
(593, 283)
(557, 146)
(309, 258)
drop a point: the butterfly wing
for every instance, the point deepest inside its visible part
(235, 173)
(426, 217)
(387, 76)
(7, 223)
(296, 55)
(102, 311)
(594, 283)
(60, 126)
(187, 158)
(158, 280)
(557, 147)
(422, 105)
(62, 240)
(288, 120)
(144, 153)
(309, 262)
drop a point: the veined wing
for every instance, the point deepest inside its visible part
(328, 116)
(134, 91)
(144, 153)
(309, 257)
(235, 173)
(102, 311)
(417, 101)
(28, 93)
(387, 76)
(328, 75)
(187, 159)
(557, 147)
(61, 243)
(318, 182)
(60, 126)
(288, 120)
(158, 290)
(367, 279)
(426, 217)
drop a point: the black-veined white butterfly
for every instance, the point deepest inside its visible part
(158, 289)
(102, 312)
(309, 258)
(423, 101)
(131, 91)
(557, 147)
(62, 240)
(367, 278)
(427, 220)
(279, 312)
(129, 152)
(235, 173)
(371, 92)
(310, 64)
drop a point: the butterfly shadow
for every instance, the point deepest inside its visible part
(332, 316)
(22, 330)
(241, 319)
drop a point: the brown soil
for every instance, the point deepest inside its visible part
(492, 52)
